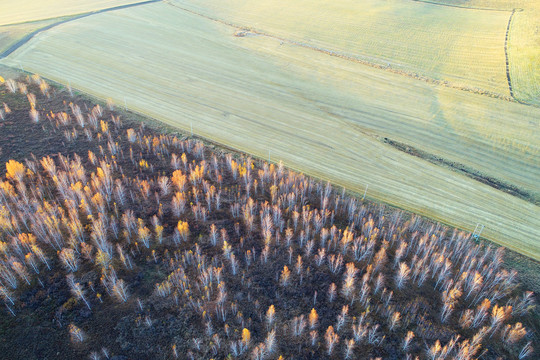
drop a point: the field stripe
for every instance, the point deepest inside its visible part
(29, 37)
(461, 6)
(512, 12)
(389, 68)
(506, 55)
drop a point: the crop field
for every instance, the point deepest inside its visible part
(524, 53)
(467, 48)
(21, 20)
(10, 34)
(324, 115)
(523, 46)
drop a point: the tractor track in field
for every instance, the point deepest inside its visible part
(465, 6)
(464, 170)
(29, 36)
(244, 31)
(508, 78)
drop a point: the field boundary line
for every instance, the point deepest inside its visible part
(466, 7)
(508, 78)
(40, 20)
(459, 168)
(355, 59)
(29, 36)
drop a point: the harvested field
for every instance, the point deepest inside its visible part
(10, 34)
(462, 46)
(522, 43)
(323, 115)
(524, 54)
(189, 179)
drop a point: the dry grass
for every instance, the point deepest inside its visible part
(17, 11)
(319, 114)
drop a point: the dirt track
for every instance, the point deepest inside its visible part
(28, 37)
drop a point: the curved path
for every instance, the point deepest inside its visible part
(29, 36)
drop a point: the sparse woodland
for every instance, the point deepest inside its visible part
(205, 254)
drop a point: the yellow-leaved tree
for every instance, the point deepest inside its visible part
(15, 170)
(246, 336)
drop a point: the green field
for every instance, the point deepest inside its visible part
(271, 89)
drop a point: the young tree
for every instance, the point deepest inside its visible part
(331, 339)
(76, 289)
(120, 290)
(77, 335)
(402, 275)
(69, 259)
